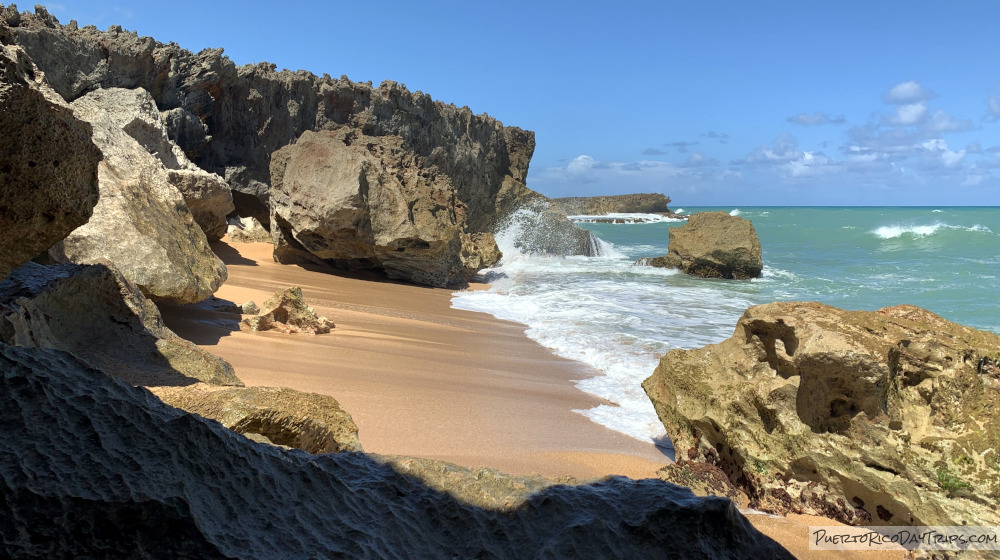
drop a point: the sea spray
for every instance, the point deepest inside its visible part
(620, 319)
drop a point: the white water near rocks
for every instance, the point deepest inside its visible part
(621, 319)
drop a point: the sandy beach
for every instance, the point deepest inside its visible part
(425, 380)
(418, 377)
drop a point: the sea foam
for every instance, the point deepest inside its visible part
(897, 231)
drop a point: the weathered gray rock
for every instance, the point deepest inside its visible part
(247, 230)
(263, 110)
(207, 195)
(651, 203)
(713, 245)
(356, 201)
(92, 312)
(48, 164)
(537, 228)
(889, 417)
(141, 223)
(93, 468)
(307, 421)
(287, 312)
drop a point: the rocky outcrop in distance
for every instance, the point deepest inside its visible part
(650, 203)
(357, 201)
(141, 224)
(286, 311)
(94, 313)
(167, 481)
(48, 164)
(870, 418)
(712, 245)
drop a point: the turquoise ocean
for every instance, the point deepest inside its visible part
(620, 319)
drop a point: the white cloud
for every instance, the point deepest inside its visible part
(941, 122)
(909, 115)
(907, 93)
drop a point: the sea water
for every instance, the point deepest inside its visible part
(620, 319)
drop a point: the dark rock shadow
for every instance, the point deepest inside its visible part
(229, 254)
(665, 446)
(236, 498)
(203, 323)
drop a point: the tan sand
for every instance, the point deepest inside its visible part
(419, 377)
(425, 380)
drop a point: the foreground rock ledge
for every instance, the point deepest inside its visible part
(888, 417)
(91, 467)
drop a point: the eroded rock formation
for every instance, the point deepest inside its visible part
(887, 417)
(141, 223)
(247, 230)
(651, 203)
(48, 164)
(287, 312)
(92, 312)
(359, 201)
(307, 421)
(161, 479)
(713, 245)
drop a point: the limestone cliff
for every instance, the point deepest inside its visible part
(214, 108)
(651, 203)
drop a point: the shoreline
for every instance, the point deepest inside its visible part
(419, 377)
(422, 379)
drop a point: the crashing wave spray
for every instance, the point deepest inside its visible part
(538, 229)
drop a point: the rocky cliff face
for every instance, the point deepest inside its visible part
(212, 109)
(887, 417)
(48, 164)
(619, 204)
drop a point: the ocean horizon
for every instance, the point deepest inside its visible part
(620, 319)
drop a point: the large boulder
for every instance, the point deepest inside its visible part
(141, 223)
(307, 421)
(93, 468)
(92, 312)
(713, 245)
(539, 229)
(207, 195)
(247, 230)
(48, 164)
(355, 201)
(888, 417)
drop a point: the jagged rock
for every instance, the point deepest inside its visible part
(247, 230)
(90, 467)
(713, 245)
(652, 203)
(92, 312)
(141, 223)
(287, 312)
(263, 110)
(207, 195)
(307, 421)
(48, 164)
(355, 201)
(887, 417)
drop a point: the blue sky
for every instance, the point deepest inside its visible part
(711, 103)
